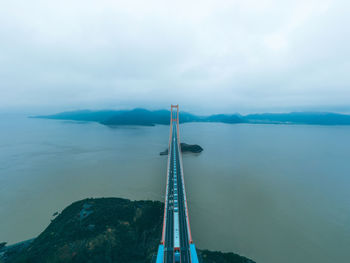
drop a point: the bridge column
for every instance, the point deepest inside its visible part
(193, 253)
(160, 254)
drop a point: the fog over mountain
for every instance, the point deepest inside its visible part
(150, 118)
(209, 56)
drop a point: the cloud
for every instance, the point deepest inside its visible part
(206, 55)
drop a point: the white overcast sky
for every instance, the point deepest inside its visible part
(208, 56)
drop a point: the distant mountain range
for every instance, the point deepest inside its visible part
(150, 118)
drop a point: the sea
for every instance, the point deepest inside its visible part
(273, 193)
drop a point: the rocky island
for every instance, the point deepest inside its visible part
(193, 148)
(103, 230)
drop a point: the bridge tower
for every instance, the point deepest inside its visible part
(174, 113)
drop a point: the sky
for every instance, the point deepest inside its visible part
(207, 56)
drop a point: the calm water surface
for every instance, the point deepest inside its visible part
(274, 193)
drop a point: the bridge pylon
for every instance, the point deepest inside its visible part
(174, 113)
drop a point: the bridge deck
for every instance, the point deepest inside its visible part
(175, 184)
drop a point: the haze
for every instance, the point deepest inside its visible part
(208, 56)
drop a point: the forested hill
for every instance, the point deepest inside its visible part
(103, 230)
(150, 118)
(139, 117)
(312, 118)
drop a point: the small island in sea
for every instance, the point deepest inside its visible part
(99, 230)
(192, 148)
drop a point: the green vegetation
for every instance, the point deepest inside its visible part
(103, 230)
(99, 230)
(313, 118)
(139, 117)
(150, 118)
(193, 148)
(219, 257)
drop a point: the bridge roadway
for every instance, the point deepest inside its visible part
(169, 237)
(171, 225)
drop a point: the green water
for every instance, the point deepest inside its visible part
(274, 193)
